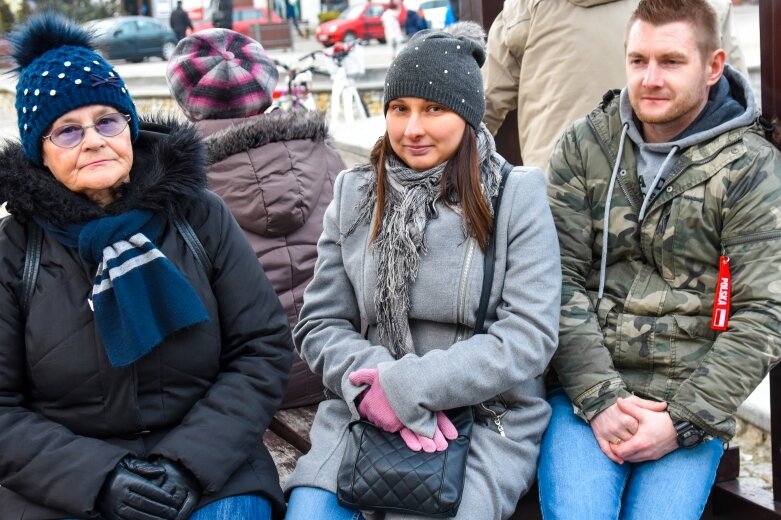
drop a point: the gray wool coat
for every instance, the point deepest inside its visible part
(451, 367)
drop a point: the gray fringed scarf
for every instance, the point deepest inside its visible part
(411, 201)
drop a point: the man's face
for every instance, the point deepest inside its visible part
(667, 77)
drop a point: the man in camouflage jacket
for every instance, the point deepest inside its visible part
(676, 168)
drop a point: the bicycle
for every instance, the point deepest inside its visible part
(345, 62)
(295, 92)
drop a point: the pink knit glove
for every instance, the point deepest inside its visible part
(374, 405)
(444, 431)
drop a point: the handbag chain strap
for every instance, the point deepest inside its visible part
(488, 279)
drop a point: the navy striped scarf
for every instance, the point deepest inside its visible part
(139, 297)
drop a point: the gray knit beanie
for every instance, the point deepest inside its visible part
(444, 67)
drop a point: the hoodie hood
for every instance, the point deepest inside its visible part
(271, 169)
(730, 105)
(590, 3)
(169, 169)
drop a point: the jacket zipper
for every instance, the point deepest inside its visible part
(662, 227)
(496, 418)
(682, 164)
(462, 289)
(757, 237)
(611, 159)
(679, 168)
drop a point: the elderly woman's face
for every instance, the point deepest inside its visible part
(423, 133)
(95, 166)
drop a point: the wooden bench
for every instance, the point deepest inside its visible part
(288, 438)
(272, 35)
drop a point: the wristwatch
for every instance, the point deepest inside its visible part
(689, 435)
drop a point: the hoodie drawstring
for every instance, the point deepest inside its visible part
(652, 187)
(606, 220)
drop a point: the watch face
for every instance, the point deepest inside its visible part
(689, 436)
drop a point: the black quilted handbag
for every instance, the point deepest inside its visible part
(378, 470)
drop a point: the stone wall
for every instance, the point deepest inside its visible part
(755, 455)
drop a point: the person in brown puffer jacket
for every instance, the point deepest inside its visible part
(274, 170)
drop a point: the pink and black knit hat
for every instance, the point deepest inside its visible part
(221, 74)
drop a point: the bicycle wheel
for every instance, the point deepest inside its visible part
(359, 105)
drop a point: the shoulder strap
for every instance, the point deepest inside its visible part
(32, 263)
(194, 243)
(490, 254)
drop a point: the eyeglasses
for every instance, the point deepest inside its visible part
(69, 136)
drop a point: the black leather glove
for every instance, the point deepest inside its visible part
(132, 491)
(182, 485)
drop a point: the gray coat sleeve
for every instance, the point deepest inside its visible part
(328, 334)
(521, 336)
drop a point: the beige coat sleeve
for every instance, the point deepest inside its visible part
(502, 69)
(729, 41)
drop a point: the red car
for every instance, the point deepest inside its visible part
(243, 17)
(358, 22)
(5, 54)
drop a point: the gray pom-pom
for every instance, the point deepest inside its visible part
(468, 29)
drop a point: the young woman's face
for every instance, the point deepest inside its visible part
(95, 166)
(423, 133)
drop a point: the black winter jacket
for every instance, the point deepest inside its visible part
(204, 397)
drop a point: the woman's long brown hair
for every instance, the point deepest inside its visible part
(460, 184)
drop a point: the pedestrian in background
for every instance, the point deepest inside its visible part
(392, 27)
(292, 17)
(180, 21)
(451, 16)
(553, 60)
(398, 234)
(415, 21)
(275, 171)
(136, 381)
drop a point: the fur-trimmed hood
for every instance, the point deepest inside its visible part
(226, 137)
(271, 169)
(169, 168)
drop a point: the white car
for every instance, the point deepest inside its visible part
(433, 10)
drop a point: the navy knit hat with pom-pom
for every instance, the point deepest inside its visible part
(58, 72)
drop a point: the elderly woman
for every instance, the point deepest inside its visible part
(138, 379)
(402, 251)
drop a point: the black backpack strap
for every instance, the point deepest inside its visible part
(194, 243)
(32, 264)
(490, 255)
(32, 256)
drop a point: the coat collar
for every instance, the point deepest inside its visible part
(169, 169)
(227, 137)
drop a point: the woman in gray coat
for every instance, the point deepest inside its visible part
(402, 253)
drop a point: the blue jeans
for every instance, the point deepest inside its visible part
(240, 507)
(307, 503)
(577, 481)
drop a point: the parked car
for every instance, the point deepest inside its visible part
(6, 62)
(133, 38)
(243, 18)
(359, 22)
(434, 11)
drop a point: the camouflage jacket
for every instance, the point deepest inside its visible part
(650, 334)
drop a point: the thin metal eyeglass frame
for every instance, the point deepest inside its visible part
(84, 131)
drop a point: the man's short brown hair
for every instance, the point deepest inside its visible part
(696, 12)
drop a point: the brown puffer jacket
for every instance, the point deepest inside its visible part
(276, 173)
